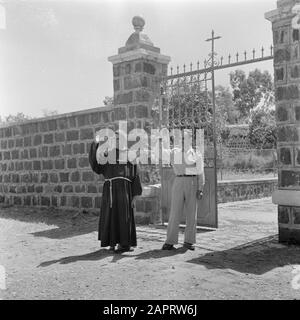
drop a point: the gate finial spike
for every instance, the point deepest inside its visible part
(191, 66)
(198, 63)
(253, 51)
(262, 52)
(271, 49)
(245, 54)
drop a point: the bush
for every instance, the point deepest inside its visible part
(249, 161)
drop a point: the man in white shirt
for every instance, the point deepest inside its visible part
(186, 191)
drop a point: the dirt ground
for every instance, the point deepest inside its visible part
(54, 254)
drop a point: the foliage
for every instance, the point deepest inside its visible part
(48, 113)
(10, 119)
(250, 161)
(108, 101)
(248, 92)
(262, 128)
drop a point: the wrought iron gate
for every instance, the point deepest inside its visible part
(188, 101)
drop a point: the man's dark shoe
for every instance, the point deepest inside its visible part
(189, 246)
(111, 249)
(167, 246)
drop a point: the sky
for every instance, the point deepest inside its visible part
(53, 54)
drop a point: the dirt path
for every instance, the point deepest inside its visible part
(53, 255)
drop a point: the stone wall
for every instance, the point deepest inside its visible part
(286, 31)
(229, 191)
(44, 162)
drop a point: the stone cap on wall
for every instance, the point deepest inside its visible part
(139, 46)
(58, 116)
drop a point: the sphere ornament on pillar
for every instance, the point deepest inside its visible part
(138, 23)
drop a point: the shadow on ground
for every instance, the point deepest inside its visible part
(256, 257)
(104, 253)
(66, 223)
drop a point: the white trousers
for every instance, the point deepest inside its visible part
(183, 200)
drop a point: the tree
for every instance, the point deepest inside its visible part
(248, 92)
(48, 113)
(108, 101)
(225, 105)
(19, 117)
(262, 128)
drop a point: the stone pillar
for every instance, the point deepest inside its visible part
(137, 72)
(286, 39)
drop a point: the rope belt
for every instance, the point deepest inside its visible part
(110, 186)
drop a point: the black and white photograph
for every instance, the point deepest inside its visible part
(149, 151)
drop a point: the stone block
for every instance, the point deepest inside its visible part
(289, 179)
(64, 176)
(120, 113)
(15, 154)
(141, 111)
(98, 202)
(57, 189)
(43, 151)
(287, 133)
(53, 177)
(59, 163)
(54, 201)
(142, 96)
(19, 142)
(148, 68)
(91, 188)
(72, 122)
(86, 202)
(67, 149)
(45, 201)
(62, 123)
(33, 153)
(287, 92)
(83, 120)
(44, 177)
(48, 138)
(116, 84)
(68, 188)
(83, 162)
(37, 165)
(96, 117)
(87, 133)
(47, 164)
(75, 176)
(72, 163)
(37, 140)
(75, 201)
(88, 176)
(282, 55)
(60, 137)
(27, 141)
(54, 151)
(296, 215)
(72, 135)
(282, 112)
(52, 125)
(123, 98)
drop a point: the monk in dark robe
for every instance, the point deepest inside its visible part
(122, 185)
